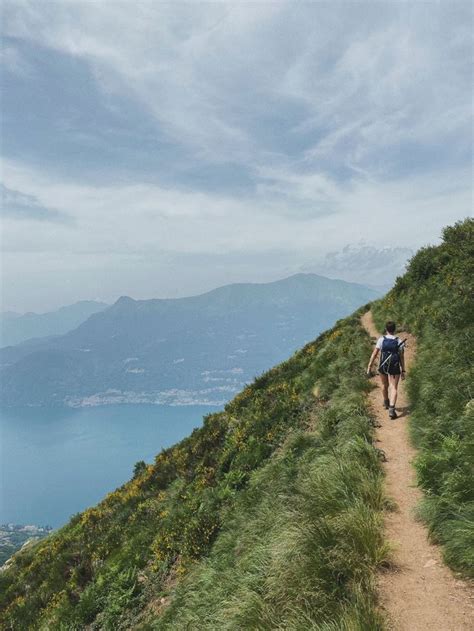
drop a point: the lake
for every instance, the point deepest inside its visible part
(56, 462)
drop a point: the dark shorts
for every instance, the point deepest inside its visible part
(392, 370)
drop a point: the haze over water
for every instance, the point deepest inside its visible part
(57, 462)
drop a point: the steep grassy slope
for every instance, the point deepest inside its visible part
(269, 516)
(271, 511)
(434, 299)
(300, 547)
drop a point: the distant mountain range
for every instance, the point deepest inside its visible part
(17, 327)
(200, 349)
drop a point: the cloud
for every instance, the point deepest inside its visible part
(190, 138)
(364, 263)
(344, 85)
(17, 205)
(13, 61)
(132, 218)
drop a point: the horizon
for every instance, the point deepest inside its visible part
(97, 300)
(166, 150)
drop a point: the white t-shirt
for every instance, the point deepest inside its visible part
(390, 337)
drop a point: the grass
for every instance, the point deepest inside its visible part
(301, 547)
(269, 516)
(434, 301)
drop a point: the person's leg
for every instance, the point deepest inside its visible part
(393, 391)
(384, 382)
(394, 379)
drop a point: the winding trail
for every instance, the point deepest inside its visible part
(418, 593)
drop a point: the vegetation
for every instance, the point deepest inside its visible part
(14, 536)
(269, 516)
(434, 301)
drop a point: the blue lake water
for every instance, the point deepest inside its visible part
(54, 463)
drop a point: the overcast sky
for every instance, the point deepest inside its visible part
(161, 149)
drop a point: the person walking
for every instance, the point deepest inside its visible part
(391, 366)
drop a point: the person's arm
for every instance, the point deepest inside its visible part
(375, 352)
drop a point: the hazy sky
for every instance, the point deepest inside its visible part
(161, 149)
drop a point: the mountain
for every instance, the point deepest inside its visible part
(270, 516)
(16, 327)
(201, 349)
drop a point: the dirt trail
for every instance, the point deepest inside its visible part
(419, 593)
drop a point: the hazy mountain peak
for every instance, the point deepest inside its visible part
(227, 336)
(125, 300)
(20, 327)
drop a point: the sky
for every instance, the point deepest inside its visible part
(162, 149)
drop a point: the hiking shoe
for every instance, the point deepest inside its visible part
(386, 404)
(391, 412)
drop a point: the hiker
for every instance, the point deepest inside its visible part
(391, 366)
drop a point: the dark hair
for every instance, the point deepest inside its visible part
(390, 327)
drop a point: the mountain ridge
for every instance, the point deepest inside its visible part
(237, 329)
(226, 290)
(16, 328)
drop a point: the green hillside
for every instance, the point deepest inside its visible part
(434, 300)
(270, 515)
(276, 460)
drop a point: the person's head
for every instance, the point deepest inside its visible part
(390, 327)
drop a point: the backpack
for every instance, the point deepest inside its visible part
(390, 356)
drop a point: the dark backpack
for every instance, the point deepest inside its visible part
(390, 356)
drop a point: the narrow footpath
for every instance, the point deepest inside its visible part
(419, 593)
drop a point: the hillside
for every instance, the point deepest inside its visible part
(417, 591)
(201, 349)
(271, 515)
(237, 487)
(434, 300)
(14, 536)
(16, 328)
